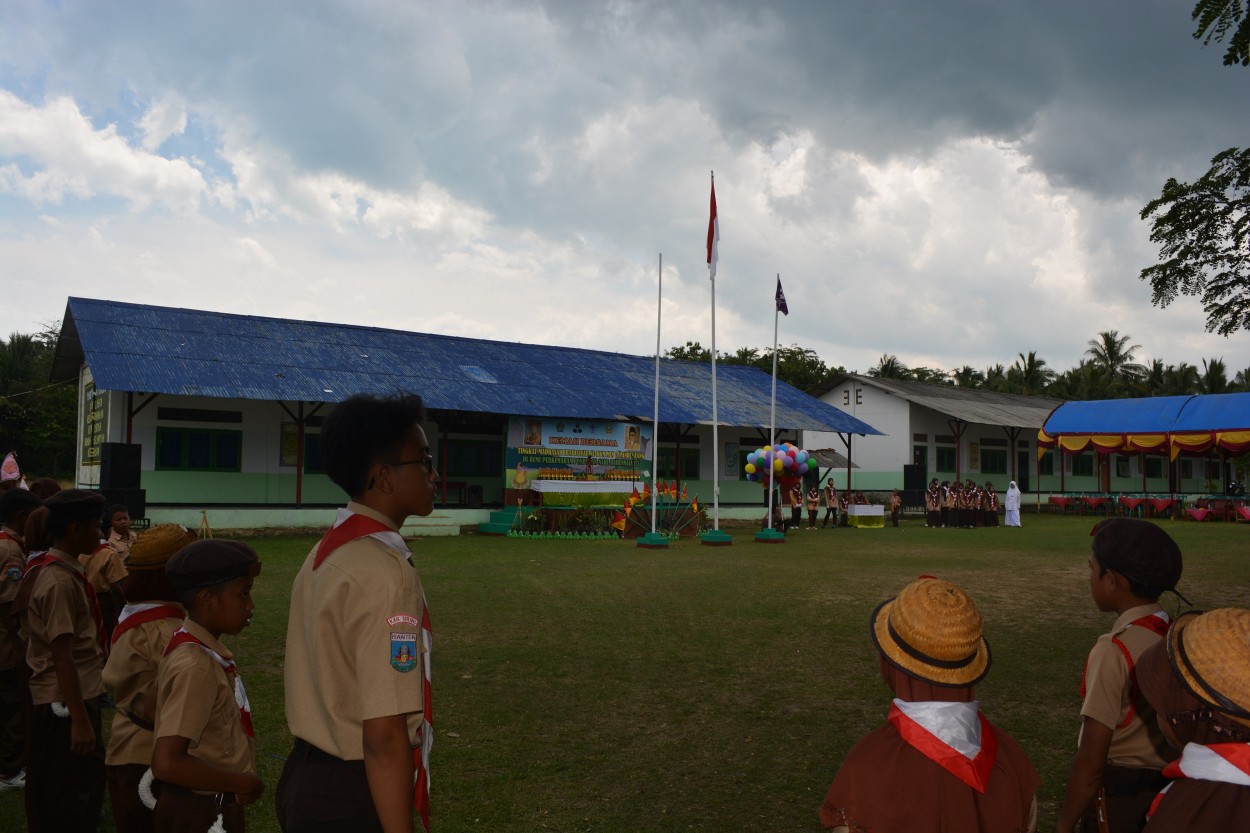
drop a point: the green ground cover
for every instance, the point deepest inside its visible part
(596, 686)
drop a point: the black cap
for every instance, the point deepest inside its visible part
(77, 504)
(214, 561)
(1138, 550)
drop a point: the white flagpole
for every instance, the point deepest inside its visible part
(655, 421)
(715, 420)
(772, 415)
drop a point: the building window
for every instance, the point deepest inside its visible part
(993, 461)
(313, 464)
(945, 458)
(1154, 467)
(1122, 466)
(1046, 465)
(666, 465)
(198, 449)
(474, 458)
(1187, 469)
(1083, 465)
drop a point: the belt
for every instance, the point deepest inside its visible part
(304, 749)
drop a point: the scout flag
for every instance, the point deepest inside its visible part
(635, 498)
(781, 299)
(694, 505)
(618, 521)
(683, 494)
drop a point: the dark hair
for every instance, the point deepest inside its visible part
(362, 430)
(74, 506)
(35, 535)
(106, 522)
(14, 501)
(148, 586)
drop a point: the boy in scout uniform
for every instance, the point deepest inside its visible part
(1121, 750)
(143, 630)
(203, 753)
(15, 506)
(937, 764)
(357, 666)
(60, 622)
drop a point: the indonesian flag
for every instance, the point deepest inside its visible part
(713, 237)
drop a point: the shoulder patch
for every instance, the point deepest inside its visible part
(403, 619)
(13, 573)
(403, 651)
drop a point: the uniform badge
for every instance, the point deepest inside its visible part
(403, 651)
(13, 574)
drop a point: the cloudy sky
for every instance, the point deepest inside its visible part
(952, 182)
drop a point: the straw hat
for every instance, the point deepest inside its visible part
(932, 631)
(157, 545)
(1210, 653)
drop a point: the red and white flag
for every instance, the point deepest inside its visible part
(713, 237)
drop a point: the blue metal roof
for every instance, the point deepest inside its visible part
(1156, 415)
(136, 347)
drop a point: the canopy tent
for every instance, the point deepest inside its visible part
(1159, 425)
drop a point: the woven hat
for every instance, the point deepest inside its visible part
(157, 545)
(1210, 653)
(932, 631)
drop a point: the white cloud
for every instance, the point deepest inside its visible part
(162, 120)
(62, 155)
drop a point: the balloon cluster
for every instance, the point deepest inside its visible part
(786, 463)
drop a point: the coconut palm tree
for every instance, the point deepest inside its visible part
(1111, 353)
(1030, 374)
(889, 367)
(1180, 380)
(1214, 377)
(968, 377)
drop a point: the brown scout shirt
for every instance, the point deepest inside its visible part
(1108, 695)
(344, 618)
(195, 700)
(104, 569)
(58, 605)
(131, 673)
(122, 545)
(12, 563)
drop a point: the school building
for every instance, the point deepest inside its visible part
(187, 410)
(1160, 445)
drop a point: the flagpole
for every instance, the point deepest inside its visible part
(772, 412)
(655, 421)
(715, 420)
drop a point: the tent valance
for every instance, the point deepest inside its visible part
(1162, 425)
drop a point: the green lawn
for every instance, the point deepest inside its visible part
(596, 686)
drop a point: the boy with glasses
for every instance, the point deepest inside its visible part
(358, 638)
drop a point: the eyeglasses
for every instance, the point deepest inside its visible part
(426, 461)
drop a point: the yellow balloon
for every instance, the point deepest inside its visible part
(750, 468)
(778, 465)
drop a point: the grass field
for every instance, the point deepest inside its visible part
(596, 686)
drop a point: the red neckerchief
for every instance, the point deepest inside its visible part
(1157, 623)
(355, 526)
(183, 637)
(132, 616)
(349, 529)
(15, 538)
(975, 772)
(93, 603)
(1227, 763)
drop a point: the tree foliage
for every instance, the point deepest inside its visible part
(1225, 21)
(1203, 232)
(37, 419)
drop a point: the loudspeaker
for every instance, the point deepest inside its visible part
(913, 477)
(135, 500)
(119, 465)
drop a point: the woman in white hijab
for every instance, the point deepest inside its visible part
(1012, 505)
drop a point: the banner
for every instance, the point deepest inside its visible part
(568, 449)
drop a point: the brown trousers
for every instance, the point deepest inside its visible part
(129, 813)
(1129, 793)
(179, 810)
(319, 793)
(64, 791)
